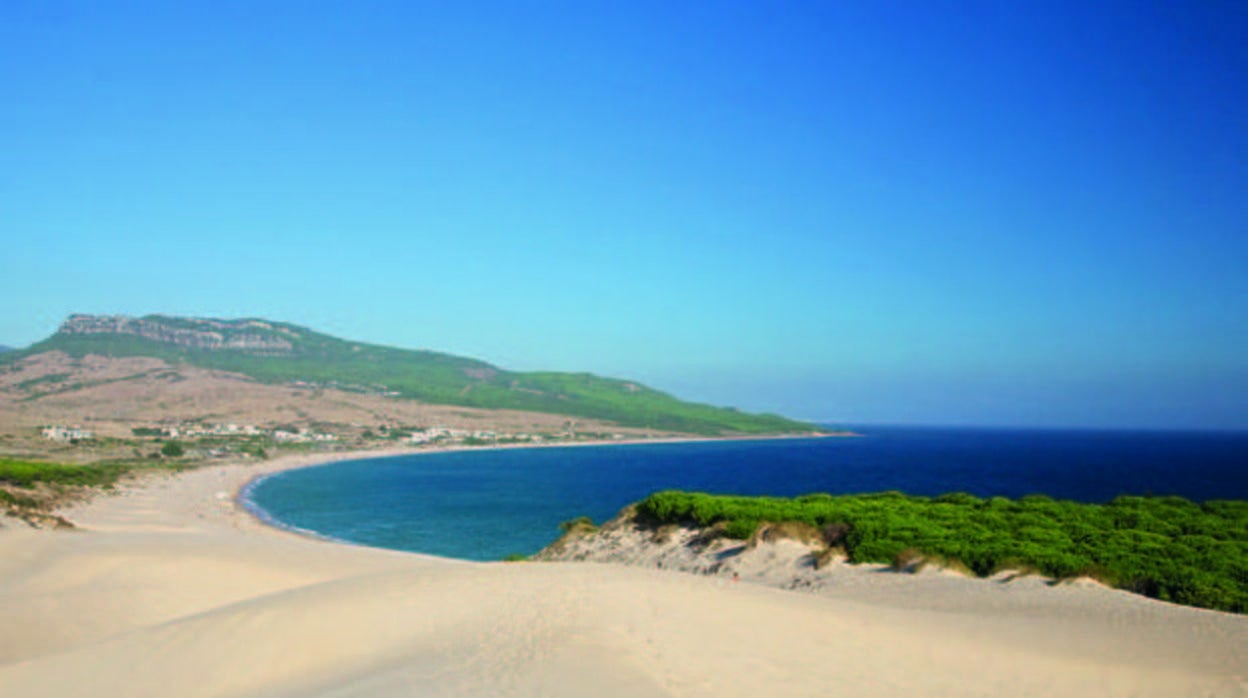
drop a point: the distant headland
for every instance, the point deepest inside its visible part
(278, 353)
(137, 393)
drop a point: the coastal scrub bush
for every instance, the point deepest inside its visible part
(579, 524)
(17, 500)
(254, 449)
(1167, 548)
(28, 473)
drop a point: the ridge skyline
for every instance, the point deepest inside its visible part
(278, 352)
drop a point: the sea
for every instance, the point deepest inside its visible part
(485, 504)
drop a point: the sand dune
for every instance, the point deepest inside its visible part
(172, 591)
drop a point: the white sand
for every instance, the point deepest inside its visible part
(170, 590)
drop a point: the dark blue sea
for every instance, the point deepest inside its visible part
(486, 504)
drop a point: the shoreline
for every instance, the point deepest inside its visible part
(809, 561)
(173, 567)
(296, 462)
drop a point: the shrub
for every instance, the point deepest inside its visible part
(1164, 547)
(254, 449)
(172, 449)
(28, 473)
(581, 524)
(741, 529)
(835, 533)
(18, 500)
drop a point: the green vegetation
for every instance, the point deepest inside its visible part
(324, 361)
(1167, 548)
(147, 431)
(253, 449)
(581, 524)
(42, 380)
(172, 449)
(27, 474)
(31, 490)
(18, 501)
(516, 557)
(61, 387)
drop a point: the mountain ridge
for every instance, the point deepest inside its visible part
(278, 352)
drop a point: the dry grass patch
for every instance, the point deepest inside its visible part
(799, 531)
(828, 556)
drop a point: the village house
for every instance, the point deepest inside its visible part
(59, 433)
(301, 436)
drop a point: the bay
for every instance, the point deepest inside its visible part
(484, 504)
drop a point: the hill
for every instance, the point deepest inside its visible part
(281, 353)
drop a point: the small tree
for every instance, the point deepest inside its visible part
(172, 449)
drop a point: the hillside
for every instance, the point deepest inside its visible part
(281, 353)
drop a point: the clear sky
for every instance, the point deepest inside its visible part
(1015, 213)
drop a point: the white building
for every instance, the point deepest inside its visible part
(59, 433)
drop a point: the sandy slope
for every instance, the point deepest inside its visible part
(172, 592)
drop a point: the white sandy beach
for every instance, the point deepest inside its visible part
(169, 589)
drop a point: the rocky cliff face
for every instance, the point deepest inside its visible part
(250, 336)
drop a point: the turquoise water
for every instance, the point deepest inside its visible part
(485, 504)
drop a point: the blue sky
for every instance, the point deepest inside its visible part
(1006, 213)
